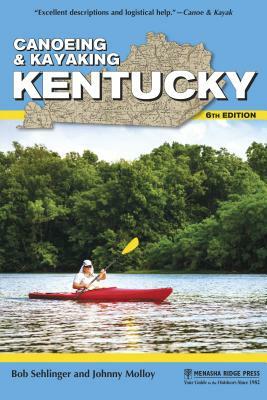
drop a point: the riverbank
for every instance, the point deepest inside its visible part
(208, 272)
(142, 272)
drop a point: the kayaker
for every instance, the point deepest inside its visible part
(86, 275)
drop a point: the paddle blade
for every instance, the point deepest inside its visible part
(131, 246)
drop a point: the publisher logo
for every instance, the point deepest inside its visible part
(188, 373)
(221, 377)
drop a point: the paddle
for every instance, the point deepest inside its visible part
(130, 247)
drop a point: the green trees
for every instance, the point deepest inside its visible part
(234, 239)
(257, 159)
(31, 207)
(193, 208)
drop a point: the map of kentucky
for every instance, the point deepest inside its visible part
(157, 54)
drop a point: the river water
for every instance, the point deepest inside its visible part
(206, 313)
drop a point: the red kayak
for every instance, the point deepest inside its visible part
(112, 294)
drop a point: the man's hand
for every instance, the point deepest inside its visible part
(102, 275)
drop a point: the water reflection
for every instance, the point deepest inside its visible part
(205, 313)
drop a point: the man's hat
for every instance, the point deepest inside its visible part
(87, 263)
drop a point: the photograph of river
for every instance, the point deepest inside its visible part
(206, 313)
(195, 213)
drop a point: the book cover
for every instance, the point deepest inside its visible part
(133, 199)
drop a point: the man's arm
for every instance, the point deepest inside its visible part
(78, 282)
(79, 285)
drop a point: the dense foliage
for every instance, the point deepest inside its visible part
(192, 207)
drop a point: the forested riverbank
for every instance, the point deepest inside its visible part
(193, 208)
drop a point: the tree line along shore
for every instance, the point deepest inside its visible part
(194, 209)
